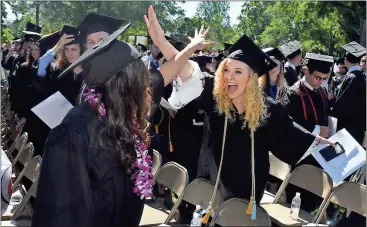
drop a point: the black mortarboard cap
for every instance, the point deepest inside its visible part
(202, 60)
(227, 46)
(49, 41)
(274, 52)
(69, 30)
(248, 52)
(318, 62)
(354, 51)
(291, 49)
(142, 47)
(95, 22)
(178, 45)
(101, 62)
(32, 32)
(218, 56)
(32, 28)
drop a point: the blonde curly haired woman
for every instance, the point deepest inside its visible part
(242, 126)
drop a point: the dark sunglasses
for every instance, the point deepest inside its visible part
(320, 78)
(363, 61)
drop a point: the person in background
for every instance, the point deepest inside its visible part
(273, 83)
(351, 95)
(292, 52)
(96, 27)
(340, 71)
(152, 61)
(363, 64)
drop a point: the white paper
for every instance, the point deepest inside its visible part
(332, 124)
(315, 132)
(167, 106)
(53, 109)
(345, 164)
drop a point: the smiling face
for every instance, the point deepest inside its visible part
(236, 76)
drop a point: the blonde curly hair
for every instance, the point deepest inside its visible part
(254, 99)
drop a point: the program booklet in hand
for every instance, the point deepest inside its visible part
(53, 109)
(343, 159)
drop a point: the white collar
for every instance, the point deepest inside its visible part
(354, 68)
(307, 84)
(290, 64)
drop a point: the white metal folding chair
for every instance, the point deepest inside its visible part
(233, 213)
(157, 161)
(307, 177)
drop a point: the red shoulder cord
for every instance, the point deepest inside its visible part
(313, 106)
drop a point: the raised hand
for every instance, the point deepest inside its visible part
(199, 42)
(65, 39)
(154, 28)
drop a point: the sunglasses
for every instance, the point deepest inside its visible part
(320, 78)
(363, 61)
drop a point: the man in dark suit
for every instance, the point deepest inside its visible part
(292, 51)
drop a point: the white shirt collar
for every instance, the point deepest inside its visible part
(290, 64)
(307, 84)
(354, 68)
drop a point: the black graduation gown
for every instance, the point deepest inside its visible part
(13, 80)
(82, 183)
(294, 104)
(279, 134)
(350, 105)
(32, 94)
(69, 86)
(290, 75)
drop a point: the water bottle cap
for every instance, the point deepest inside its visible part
(298, 194)
(198, 207)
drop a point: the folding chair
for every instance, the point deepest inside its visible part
(350, 195)
(31, 173)
(278, 169)
(198, 192)
(233, 213)
(320, 185)
(23, 157)
(18, 145)
(174, 177)
(157, 161)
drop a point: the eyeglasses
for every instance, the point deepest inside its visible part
(363, 61)
(319, 77)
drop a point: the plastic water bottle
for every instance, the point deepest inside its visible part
(296, 205)
(196, 217)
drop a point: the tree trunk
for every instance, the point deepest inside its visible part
(363, 34)
(37, 13)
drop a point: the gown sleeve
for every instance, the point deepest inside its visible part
(64, 195)
(288, 140)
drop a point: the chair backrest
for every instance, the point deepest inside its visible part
(25, 204)
(278, 168)
(19, 143)
(25, 155)
(157, 161)
(198, 192)
(350, 195)
(312, 179)
(30, 171)
(173, 176)
(233, 213)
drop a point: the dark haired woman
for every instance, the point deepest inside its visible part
(70, 49)
(96, 170)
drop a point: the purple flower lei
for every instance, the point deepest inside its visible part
(144, 178)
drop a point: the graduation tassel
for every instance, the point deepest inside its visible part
(251, 209)
(250, 205)
(209, 210)
(157, 136)
(169, 135)
(205, 219)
